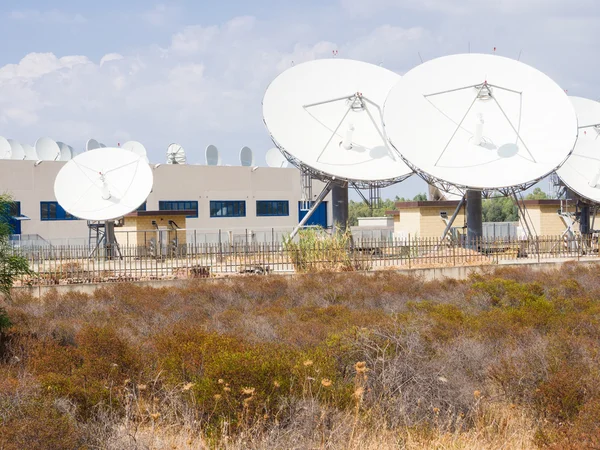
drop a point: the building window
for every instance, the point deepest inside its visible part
(53, 211)
(229, 208)
(179, 205)
(272, 208)
(142, 207)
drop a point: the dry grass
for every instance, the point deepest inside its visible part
(506, 359)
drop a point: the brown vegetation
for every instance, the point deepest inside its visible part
(508, 359)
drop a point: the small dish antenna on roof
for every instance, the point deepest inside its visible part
(175, 154)
(581, 171)
(102, 145)
(18, 152)
(65, 152)
(480, 122)
(5, 149)
(91, 144)
(212, 155)
(47, 149)
(137, 148)
(30, 153)
(246, 157)
(274, 158)
(103, 184)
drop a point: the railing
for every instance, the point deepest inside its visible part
(73, 264)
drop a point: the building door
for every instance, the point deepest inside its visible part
(319, 217)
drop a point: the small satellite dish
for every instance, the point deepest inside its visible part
(326, 114)
(30, 153)
(137, 148)
(65, 152)
(91, 144)
(213, 157)
(5, 149)
(102, 145)
(103, 184)
(275, 158)
(18, 152)
(480, 121)
(581, 171)
(246, 157)
(47, 149)
(175, 154)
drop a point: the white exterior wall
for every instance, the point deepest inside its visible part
(31, 185)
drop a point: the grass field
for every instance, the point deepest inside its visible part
(507, 359)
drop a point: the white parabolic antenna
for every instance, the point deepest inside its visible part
(91, 144)
(47, 149)
(65, 152)
(103, 184)
(5, 148)
(175, 154)
(246, 157)
(213, 157)
(480, 121)
(274, 158)
(581, 171)
(30, 153)
(18, 152)
(135, 147)
(327, 115)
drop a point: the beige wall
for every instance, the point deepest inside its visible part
(424, 221)
(139, 230)
(30, 185)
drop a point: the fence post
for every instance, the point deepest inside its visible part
(409, 250)
(537, 247)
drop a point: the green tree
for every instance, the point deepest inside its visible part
(500, 209)
(537, 194)
(11, 264)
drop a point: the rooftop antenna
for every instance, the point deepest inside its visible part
(419, 53)
(91, 144)
(246, 157)
(212, 156)
(30, 153)
(274, 158)
(176, 154)
(65, 152)
(520, 53)
(47, 149)
(103, 185)
(137, 148)
(17, 150)
(5, 148)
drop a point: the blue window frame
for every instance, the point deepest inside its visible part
(10, 215)
(272, 208)
(227, 208)
(179, 205)
(53, 211)
(142, 207)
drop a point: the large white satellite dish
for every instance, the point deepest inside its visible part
(47, 149)
(581, 171)
(246, 157)
(30, 153)
(103, 184)
(274, 158)
(5, 148)
(65, 152)
(213, 157)
(327, 115)
(91, 144)
(17, 150)
(176, 154)
(480, 121)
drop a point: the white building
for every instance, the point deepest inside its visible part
(260, 202)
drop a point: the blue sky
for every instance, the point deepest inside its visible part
(195, 72)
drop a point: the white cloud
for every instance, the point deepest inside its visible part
(111, 57)
(160, 15)
(47, 17)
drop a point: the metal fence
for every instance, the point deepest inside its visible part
(74, 265)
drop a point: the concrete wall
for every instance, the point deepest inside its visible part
(424, 221)
(30, 185)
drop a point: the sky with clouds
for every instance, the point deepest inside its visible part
(195, 72)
